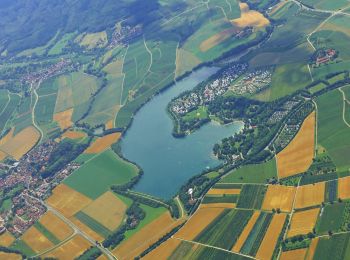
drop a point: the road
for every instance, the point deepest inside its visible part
(76, 230)
(344, 106)
(33, 111)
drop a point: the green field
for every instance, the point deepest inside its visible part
(331, 191)
(336, 247)
(4, 98)
(256, 173)
(215, 234)
(326, 4)
(97, 175)
(333, 133)
(93, 224)
(21, 246)
(256, 235)
(317, 87)
(200, 113)
(8, 110)
(59, 45)
(331, 219)
(251, 196)
(44, 109)
(47, 233)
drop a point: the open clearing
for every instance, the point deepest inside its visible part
(246, 231)
(310, 195)
(71, 249)
(303, 222)
(97, 175)
(148, 235)
(6, 239)
(297, 156)
(21, 143)
(64, 118)
(250, 18)
(67, 201)
(279, 197)
(202, 218)
(269, 242)
(223, 191)
(298, 254)
(108, 210)
(103, 143)
(36, 240)
(344, 188)
(56, 226)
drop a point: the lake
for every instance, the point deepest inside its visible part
(169, 162)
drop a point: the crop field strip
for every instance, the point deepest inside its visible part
(303, 222)
(279, 197)
(251, 196)
(331, 218)
(331, 191)
(294, 254)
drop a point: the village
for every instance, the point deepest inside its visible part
(123, 34)
(22, 181)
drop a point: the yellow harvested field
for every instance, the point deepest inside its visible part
(310, 195)
(67, 201)
(216, 39)
(6, 239)
(36, 240)
(146, 237)
(219, 205)
(7, 137)
(71, 249)
(250, 18)
(297, 156)
(271, 237)
(102, 143)
(312, 249)
(73, 134)
(223, 191)
(102, 257)
(185, 61)
(3, 155)
(303, 222)
(279, 197)
(94, 40)
(56, 226)
(9, 256)
(107, 210)
(245, 233)
(109, 124)
(298, 254)
(86, 229)
(164, 250)
(21, 143)
(344, 188)
(64, 118)
(202, 218)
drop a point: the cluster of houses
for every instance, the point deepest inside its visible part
(252, 82)
(325, 56)
(122, 35)
(53, 70)
(215, 88)
(277, 116)
(25, 210)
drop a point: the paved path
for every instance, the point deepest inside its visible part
(33, 112)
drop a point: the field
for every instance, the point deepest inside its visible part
(312, 249)
(251, 196)
(297, 156)
(102, 143)
(55, 225)
(215, 234)
(331, 218)
(256, 173)
(108, 167)
(67, 201)
(214, 191)
(279, 197)
(332, 133)
(45, 109)
(298, 254)
(164, 250)
(64, 118)
(92, 224)
(202, 218)
(270, 240)
(6, 239)
(252, 243)
(310, 195)
(330, 194)
(250, 18)
(246, 231)
(107, 209)
(71, 249)
(343, 188)
(89, 231)
(303, 222)
(317, 87)
(146, 236)
(334, 247)
(73, 134)
(326, 5)
(8, 110)
(36, 240)
(185, 61)
(10, 256)
(94, 40)
(21, 143)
